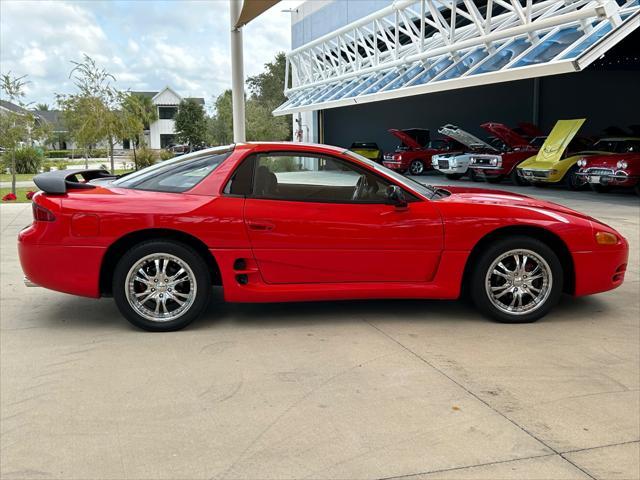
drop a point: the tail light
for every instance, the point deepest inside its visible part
(41, 214)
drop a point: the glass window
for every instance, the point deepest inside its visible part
(167, 113)
(307, 177)
(177, 175)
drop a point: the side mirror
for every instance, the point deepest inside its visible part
(395, 196)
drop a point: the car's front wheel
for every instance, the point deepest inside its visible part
(516, 280)
(161, 285)
(454, 176)
(416, 167)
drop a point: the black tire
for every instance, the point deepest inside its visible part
(539, 184)
(571, 180)
(417, 167)
(496, 179)
(637, 189)
(517, 179)
(477, 279)
(596, 187)
(454, 176)
(185, 254)
(473, 176)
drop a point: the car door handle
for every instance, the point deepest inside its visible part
(260, 226)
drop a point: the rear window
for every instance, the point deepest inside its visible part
(176, 175)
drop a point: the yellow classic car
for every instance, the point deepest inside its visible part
(557, 160)
(368, 150)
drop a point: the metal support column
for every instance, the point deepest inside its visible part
(237, 73)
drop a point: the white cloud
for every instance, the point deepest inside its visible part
(146, 45)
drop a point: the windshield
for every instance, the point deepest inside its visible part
(426, 190)
(176, 175)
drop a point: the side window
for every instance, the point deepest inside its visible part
(306, 177)
(242, 179)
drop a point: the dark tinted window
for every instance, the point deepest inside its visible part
(177, 175)
(167, 113)
(242, 179)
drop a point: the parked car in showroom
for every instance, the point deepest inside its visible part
(289, 222)
(455, 165)
(368, 150)
(515, 149)
(414, 154)
(557, 160)
(604, 172)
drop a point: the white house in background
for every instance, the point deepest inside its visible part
(162, 132)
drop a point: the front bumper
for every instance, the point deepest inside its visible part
(539, 175)
(618, 178)
(395, 164)
(599, 271)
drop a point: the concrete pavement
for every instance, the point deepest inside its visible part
(346, 390)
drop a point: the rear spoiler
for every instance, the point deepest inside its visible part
(58, 181)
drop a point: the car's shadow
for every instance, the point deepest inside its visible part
(81, 313)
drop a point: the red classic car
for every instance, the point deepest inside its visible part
(603, 172)
(282, 222)
(415, 152)
(515, 149)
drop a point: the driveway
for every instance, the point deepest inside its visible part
(345, 390)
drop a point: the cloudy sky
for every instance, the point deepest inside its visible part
(145, 44)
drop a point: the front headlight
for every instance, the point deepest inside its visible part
(582, 162)
(622, 164)
(494, 162)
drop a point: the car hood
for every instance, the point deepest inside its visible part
(558, 140)
(405, 138)
(611, 160)
(463, 137)
(507, 199)
(504, 133)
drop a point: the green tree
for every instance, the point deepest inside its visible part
(42, 107)
(191, 123)
(93, 113)
(16, 128)
(265, 95)
(137, 113)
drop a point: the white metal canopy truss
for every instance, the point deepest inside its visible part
(421, 46)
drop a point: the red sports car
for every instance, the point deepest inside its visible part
(603, 172)
(283, 222)
(413, 156)
(515, 149)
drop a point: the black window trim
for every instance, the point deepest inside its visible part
(410, 196)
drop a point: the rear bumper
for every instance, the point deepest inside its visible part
(68, 269)
(599, 271)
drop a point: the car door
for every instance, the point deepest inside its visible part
(306, 224)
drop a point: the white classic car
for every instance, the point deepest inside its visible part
(455, 165)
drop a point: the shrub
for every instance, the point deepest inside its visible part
(166, 155)
(28, 160)
(146, 157)
(98, 153)
(58, 153)
(60, 165)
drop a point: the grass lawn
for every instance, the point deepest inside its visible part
(20, 193)
(21, 177)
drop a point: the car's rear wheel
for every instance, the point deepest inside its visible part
(517, 280)
(416, 167)
(161, 285)
(454, 176)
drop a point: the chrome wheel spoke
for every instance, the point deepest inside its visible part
(159, 287)
(510, 287)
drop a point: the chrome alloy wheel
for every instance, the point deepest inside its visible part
(160, 287)
(416, 167)
(518, 282)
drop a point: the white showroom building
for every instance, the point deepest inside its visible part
(358, 68)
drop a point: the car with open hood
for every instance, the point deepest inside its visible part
(290, 222)
(455, 165)
(604, 172)
(514, 149)
(414, 154)
(557, 160)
